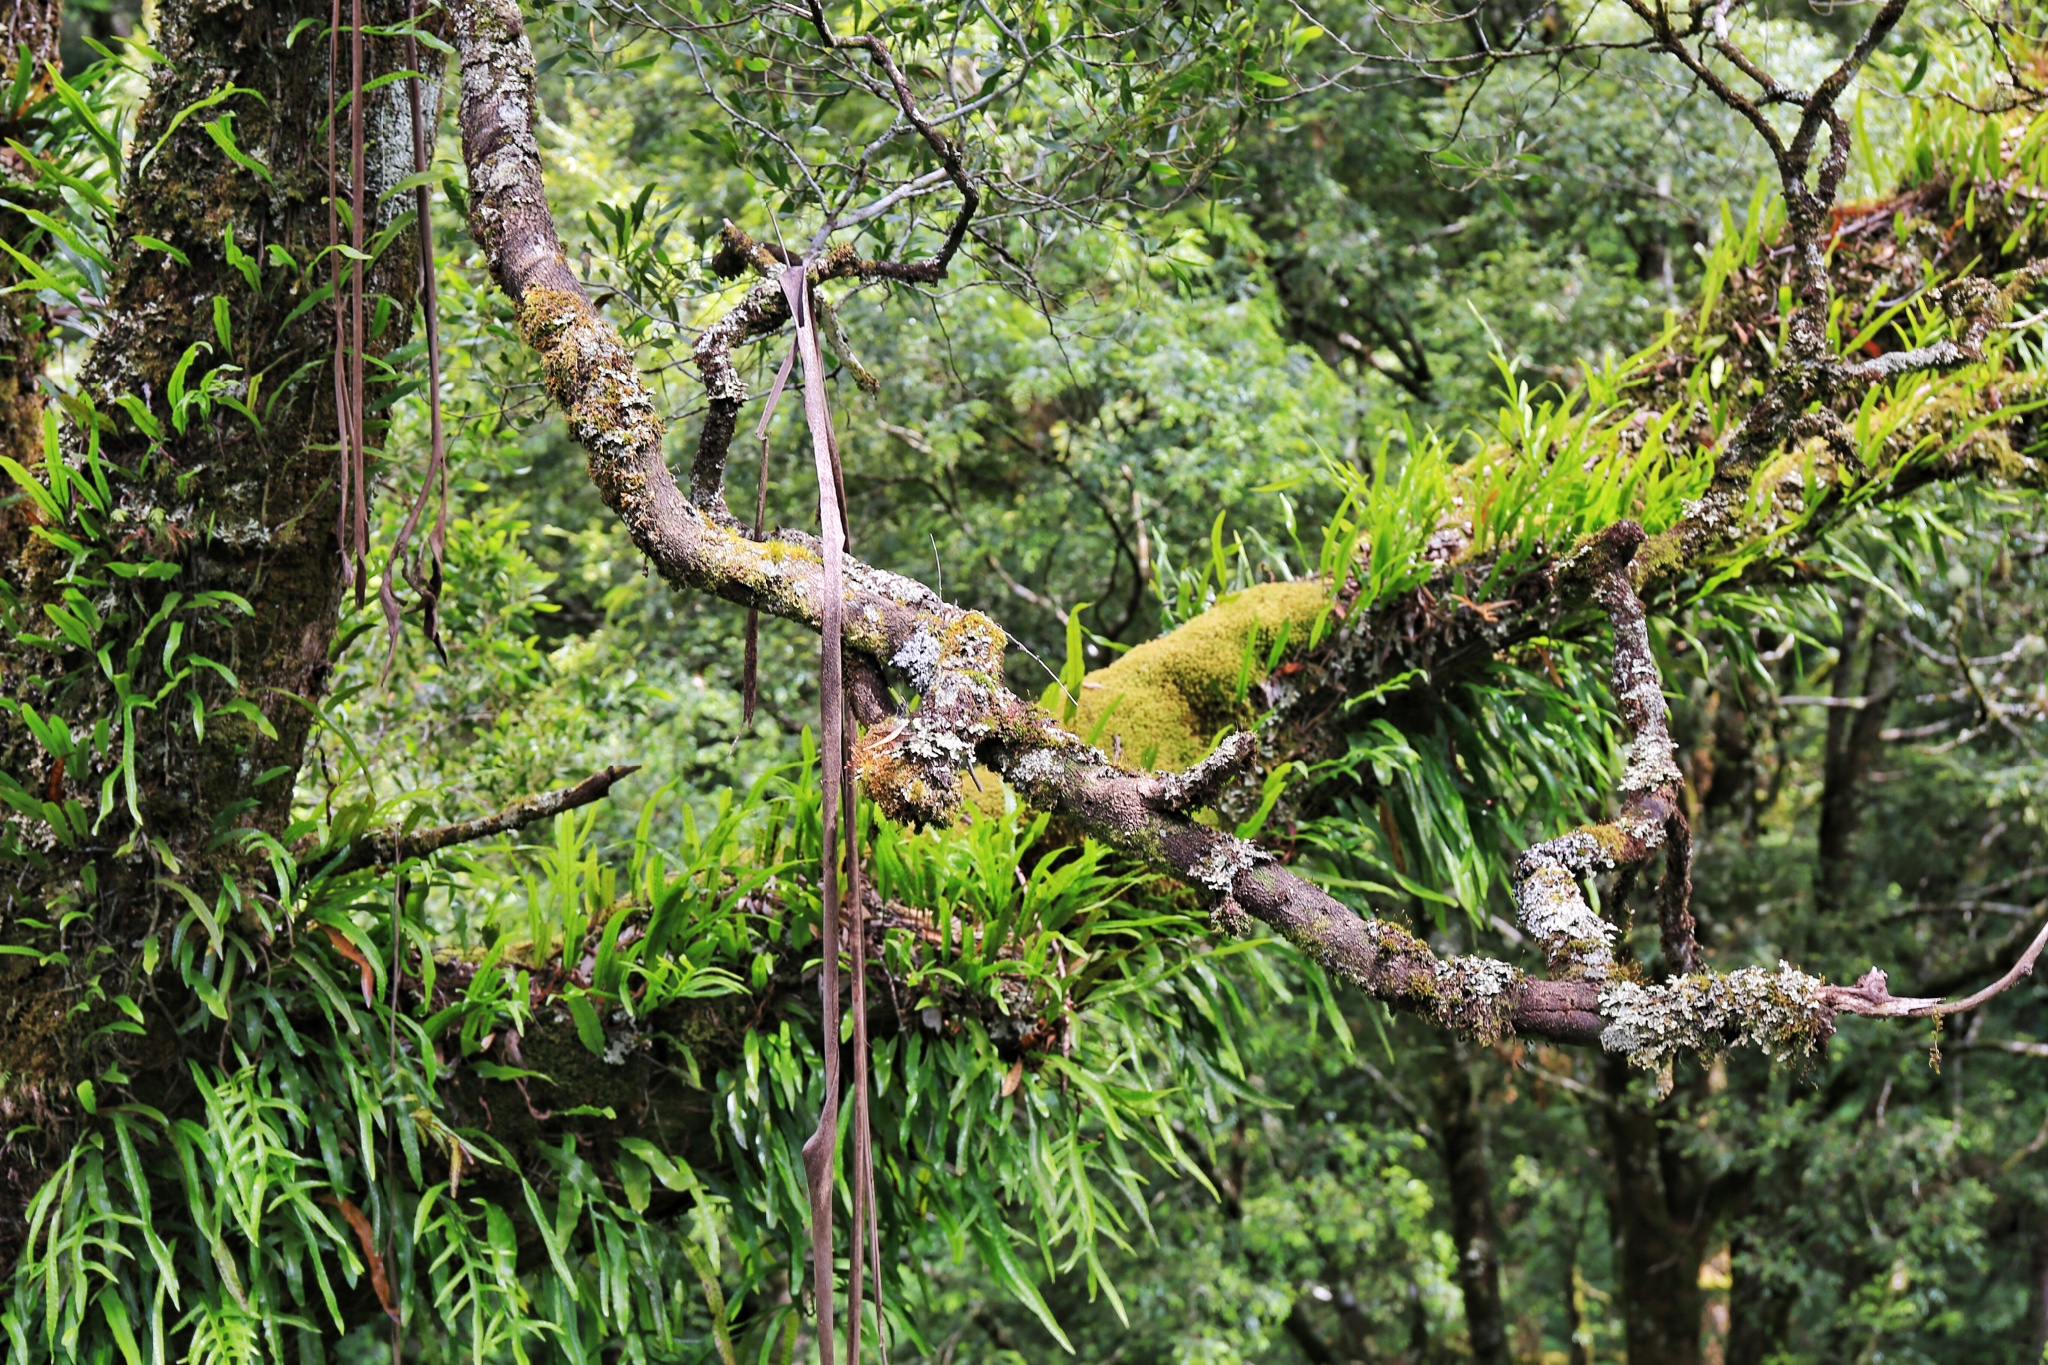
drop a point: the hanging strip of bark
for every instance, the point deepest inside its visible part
(818, 1151)
(362, 549)
(832, 504)
(424, 580)
(750, 668)
(337, 279)
(863, 1133)
(355, 510)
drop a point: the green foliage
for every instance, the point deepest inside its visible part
(1094, 1126)
(229, 1227)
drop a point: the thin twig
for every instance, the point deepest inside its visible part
(382, 848)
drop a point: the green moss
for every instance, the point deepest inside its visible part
(1659, 559)
(777, 551)
(1168, 698)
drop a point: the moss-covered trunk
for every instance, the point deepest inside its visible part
(195, 594)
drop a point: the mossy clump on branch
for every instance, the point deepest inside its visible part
(1161, 705)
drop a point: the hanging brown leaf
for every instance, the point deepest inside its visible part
(354, 954)
(366, 1238)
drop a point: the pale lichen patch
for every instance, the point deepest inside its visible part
(1785, 1013)
(1553, 908)
(1475, 996)
(1219, 867)
(918, 659)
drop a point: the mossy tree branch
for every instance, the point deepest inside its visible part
(912, 763)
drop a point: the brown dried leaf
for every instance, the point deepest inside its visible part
(354, 954)
(366, 1237)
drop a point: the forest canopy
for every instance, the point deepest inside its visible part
(702, 681)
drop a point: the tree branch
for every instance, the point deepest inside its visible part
(388, 846)
(1552, 905)
(912, 763)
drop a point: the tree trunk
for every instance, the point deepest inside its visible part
(1475, 1229)
(38, 26)
(1656, 1209)
(203, 503)
(1852, 746)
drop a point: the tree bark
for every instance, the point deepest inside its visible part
(240, 510)
(1475, 1227)
(1655, 1201)
(38, 26)
(1853, 743)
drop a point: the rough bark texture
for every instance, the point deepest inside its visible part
(1548, 894)
(1852, 747)
(233, 507)
(38, 26)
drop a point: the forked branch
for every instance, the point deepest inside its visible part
(912, 763)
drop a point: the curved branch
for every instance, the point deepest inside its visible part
(912, 763)
(1548, 895)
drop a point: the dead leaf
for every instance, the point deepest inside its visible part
(353, 954)
(366, 1237)
(1014, 1079)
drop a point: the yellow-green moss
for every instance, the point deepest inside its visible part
(984, 795)
(1168, 698)
(1659, 560)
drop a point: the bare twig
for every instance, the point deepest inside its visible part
(1871, 996)
(387, 846)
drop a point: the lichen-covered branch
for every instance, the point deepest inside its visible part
(899, 631)
(1548, 893)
